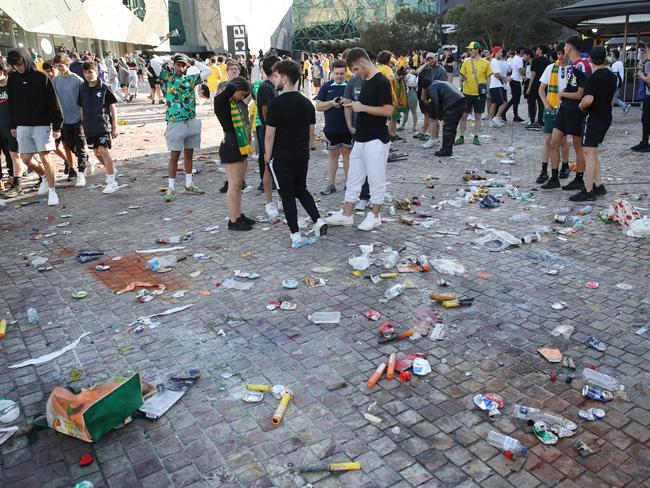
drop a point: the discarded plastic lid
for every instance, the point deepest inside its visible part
(9, 411)
(290, 283)
(80, 294)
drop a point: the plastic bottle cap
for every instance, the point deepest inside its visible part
(508, 454)
(86, 460)
(524, 449)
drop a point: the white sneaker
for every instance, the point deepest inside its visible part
(111, 187)
(90, 167)
(320, 228)
(81, 179)
(370, 222)
(271, 210)
(470, 117)
(43, 189)
(361, 205)
(337, 218)
(430, 143)
(296, 240)
(496, 122)
(52, 198)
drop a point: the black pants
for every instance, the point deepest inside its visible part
(73, 136)
(535, 105)
(451, 117)
(290, 175)
(5, 149)
(260, 132)
(515, 89)
(645, 120)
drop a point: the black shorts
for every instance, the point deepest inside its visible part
(475, 103)
(95, 142)
(9, 141)
(594, 131)
(498, 95)
(73, 134)
(153, 81)
(229, 149)
(316, 82)
(569, 120)
(334, 141)
(425, 108)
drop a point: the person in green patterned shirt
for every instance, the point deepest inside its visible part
(183, 131)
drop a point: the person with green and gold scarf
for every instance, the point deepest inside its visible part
(235, 147)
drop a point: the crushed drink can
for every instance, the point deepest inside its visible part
(597, 393)
(373, 315)
(386, 329)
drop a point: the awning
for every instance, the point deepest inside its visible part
(631, 40)
(573, 15)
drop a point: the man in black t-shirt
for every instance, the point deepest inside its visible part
(290, 124)
(372, 142)
(265, 95)
(535, 104)
(600, 96)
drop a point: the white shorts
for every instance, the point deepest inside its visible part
(183, 134)
(34, 139)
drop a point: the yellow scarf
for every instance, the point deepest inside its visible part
(240, 129)
(553, 96)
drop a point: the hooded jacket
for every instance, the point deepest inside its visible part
(32, 99)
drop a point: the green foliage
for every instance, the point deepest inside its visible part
(506, 23)
(409, 30)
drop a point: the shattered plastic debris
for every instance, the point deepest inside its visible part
(421, 367)
(372, 418)
(290, 284)
(448, 266)
(359, 263)
(559, 305)
(230, 283)
(563, 330)
(245, 274)
(491, 402)
(439, 332)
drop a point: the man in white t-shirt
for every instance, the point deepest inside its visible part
(498, 81)
(516, 79)
(619, 70)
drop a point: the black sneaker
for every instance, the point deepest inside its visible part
(576, 184)
(543, 176)
(443, 153)
(640, 146)
(261, 186)
(583, 196)
(239, 224)
(248, 220)
(224, 188)
(72, 174)
(551, 184)
(66, 168)
(600, 190)
(518, 119)
(243, 185)
(565, 171)
(504, 118)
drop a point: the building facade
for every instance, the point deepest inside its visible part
(94, 25)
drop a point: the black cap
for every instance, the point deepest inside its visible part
(181, 58)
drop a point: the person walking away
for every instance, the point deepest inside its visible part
(498, 83)
(619, 71)
(67, 86)
(266, 93)
(372, 142)
(123, 77)
(644, 75)
(517, 65)
(36, 118)
(552, 82)
(133, 77)
(154, 84)
(8, 143)
(411, 81)
(96, 102)
(339, 139)
(234, 148)
(598, 100)
(535, 105)
(183, 131)
(474, 74)
(289, 137)
(569, 120)
(449, 63)
(448, 104)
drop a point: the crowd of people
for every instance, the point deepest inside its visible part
(266, 106)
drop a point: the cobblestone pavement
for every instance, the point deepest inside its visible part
(431, 433)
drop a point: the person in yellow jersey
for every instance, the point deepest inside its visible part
(214, 78)
(383, 59)
(415, 60)
(326, 68)
(474, 75)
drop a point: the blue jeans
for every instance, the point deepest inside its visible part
(619, 101)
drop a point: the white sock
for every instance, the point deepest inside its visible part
(110, 178)
(188, 180)
(172, 184)
(52, 189)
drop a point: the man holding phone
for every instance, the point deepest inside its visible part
(339, 139)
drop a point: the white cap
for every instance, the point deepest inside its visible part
(430, 55)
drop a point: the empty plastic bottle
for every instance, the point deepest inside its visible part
(506, 443)
(32, 316)
(156, 264)
(325, 317)
(585, 210)
(394, 291)
(423, 261)
(526, 413)
(600, 379)
(391, 260)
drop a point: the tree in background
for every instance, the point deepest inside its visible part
(505, 23)
(409, 30)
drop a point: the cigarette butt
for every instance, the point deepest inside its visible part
(392, 359)
(282, 407)
(336, 386)
(354, 466)
(259, 387)
(376, 375)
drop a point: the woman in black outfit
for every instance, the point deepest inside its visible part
(232, 156)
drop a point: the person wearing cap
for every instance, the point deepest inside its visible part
(474, 74)
(183, 131)
(498, 81)
(428, 72)
(599, 98)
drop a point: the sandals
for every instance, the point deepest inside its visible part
(544, 434)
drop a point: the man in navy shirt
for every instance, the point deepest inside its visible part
(339, 138)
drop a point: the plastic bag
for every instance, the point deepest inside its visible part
(448, 266)
(497, 240)
(623, 212)
(359, 263)
(639, 228)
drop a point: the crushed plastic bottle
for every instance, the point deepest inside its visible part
(32, 316)
(325, 317)
(568, 219)
(160, 263)
(585, 210)
(394, 291)
(523, 412)
(175, 239)
(505, 443)
(391, 260)
(423, 261)
(601, 379)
